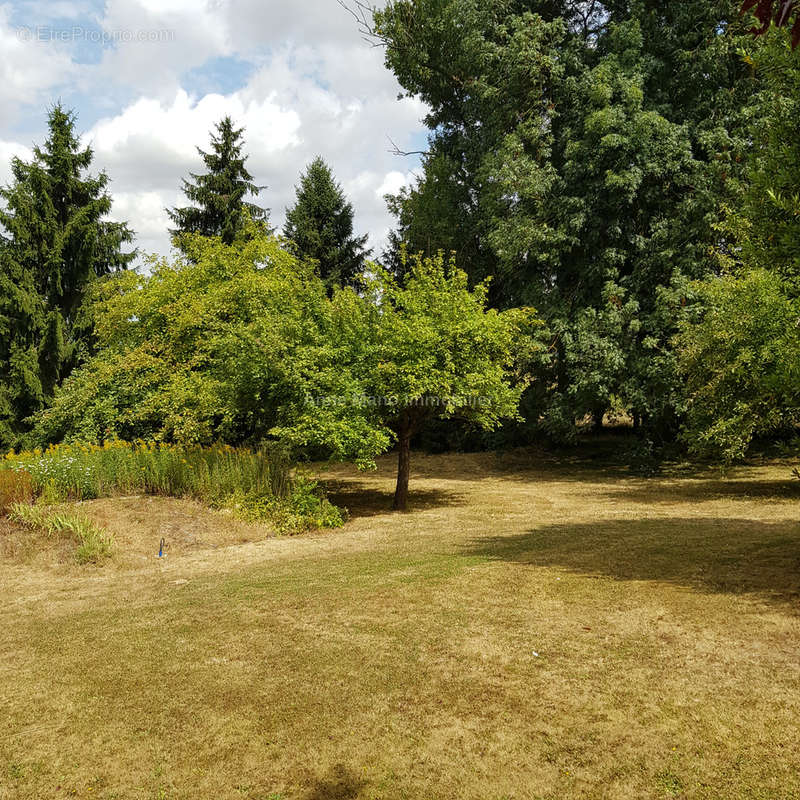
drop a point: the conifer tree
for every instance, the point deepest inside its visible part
(320, 224)
(56, 243)
(218, 206)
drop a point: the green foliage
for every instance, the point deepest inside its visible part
(320, 226)
(383, 363)
(766, 219)
(741, 363)
(93, 542)
(575, 155)
(305, 508)
(212, 474)
(57, 244)
(218, 197)
(195, 352)
(403, 353)
(257, 485)
(740, 355)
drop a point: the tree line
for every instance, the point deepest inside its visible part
(627, 169)
(57, 244)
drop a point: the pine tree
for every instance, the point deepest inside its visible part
(56, 244)
(218, 200)
(321, 227)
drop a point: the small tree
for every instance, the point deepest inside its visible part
(741, 364)
(218, 197)
(194, 350)
(403, 354)
(320, 224)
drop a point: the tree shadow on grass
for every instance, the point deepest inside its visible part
(363, 500)
(341, 784)
(712, 555)
(703, 490)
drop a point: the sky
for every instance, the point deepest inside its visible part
(149, 78)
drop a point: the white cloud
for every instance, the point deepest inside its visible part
(315, 88)
(393, 182)
(28, 66)
(9, 150)
(146, 213)
(149, 134)
(180, 35)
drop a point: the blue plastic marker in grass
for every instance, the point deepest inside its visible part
(161, 548)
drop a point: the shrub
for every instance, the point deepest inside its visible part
(305, 509)
(15, 487)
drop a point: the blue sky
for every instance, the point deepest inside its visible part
(148, 78)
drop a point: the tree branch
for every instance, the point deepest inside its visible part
(396, 151)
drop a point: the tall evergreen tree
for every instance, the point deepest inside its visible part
(56, 243)
(320, 224)
(218, 197)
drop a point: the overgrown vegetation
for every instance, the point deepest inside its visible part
(93, 543)
(256, 484)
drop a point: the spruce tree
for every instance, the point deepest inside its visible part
(56, 244)
(218, 197)
(320, 225)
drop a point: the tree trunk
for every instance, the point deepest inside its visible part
(403, 466)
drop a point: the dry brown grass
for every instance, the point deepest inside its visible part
(531, 629)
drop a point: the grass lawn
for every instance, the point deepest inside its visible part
(532, 628)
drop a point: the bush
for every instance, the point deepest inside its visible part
(16, 486)
(741, 362)
(305, 509)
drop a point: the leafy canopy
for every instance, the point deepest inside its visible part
(193, 352)
(402, 353)
(741, 361)
(740, 355)
(575, 155)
